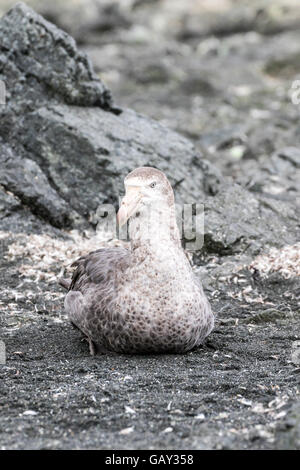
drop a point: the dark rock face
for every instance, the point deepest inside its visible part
(238, 221)
(59, 124)
(24, 178)
(66, 148)
(64, 74)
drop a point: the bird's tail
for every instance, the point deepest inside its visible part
(64, 282)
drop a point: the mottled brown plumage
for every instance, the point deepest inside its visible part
(146, 299)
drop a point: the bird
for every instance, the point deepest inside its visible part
(145, 298)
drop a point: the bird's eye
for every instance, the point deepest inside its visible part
(152, 185)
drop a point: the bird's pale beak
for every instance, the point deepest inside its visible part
(129, 204)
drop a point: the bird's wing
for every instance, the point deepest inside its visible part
(99, 267)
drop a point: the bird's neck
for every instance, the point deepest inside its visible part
(155, 232)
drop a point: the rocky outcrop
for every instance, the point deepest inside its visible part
(238, 221)
(66, 148)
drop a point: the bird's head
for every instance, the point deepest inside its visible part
(146, 189)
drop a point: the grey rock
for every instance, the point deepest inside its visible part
(240, 19)
(24, 178)
(236, 221)
(32, 76)
(84, 19)
(288, 431)
(71, 147)
(291, 154)
(92, 149)
(66, 148)
(8, 204)
(16, 217)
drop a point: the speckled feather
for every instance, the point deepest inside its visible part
(146, 299)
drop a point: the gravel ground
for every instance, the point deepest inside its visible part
(233, 393)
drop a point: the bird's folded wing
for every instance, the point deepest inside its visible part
(99, 266)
